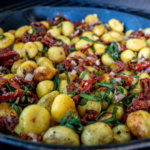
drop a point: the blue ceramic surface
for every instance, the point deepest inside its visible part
(13, 20)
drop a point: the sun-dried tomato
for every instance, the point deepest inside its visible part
(140, 66)
(121, 66)
(145, 83)
(121, 47)
(7, 124)
(138, 105)
(75, 98)
(5, 50)
(11, 96)
(141, 96)
(147, 36)
(7, 59)
(57, 19)
(90, 115)
(70, 87)
(137, 34)
(28, 137)
(97, 77)
(127, 80)
(40, 25)
(85, 86)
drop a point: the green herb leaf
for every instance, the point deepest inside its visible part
(109, 120)
(71, 49)
(25, 90)
(68, 79)
(37, 29)
(2, 36)
(84, 102)
(60, 67)
(44, 50)
(138, 78)
(90, 97)
(99, 73)
(27, 55)
(16, 108)
(72, 122)
(29, 37)
(83, 74)
(90, 122)
(7, 71)
(74, 92)
(113, 51)
(59, 26)
(116, 123)
(56, 83)
(87, 39)
(10, 89)
(106, 84)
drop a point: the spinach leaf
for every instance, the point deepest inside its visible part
(113, 51)
(60, 67)
(109, 120)
(9, 88)
(16, 108)
(87, 39)
(27, 55)
(90, 97)
(44, 50)
(2, 36)
(99, 72)
(56, 83)
(68, 79)
(83, 74)
(37, 29)
(72, 122)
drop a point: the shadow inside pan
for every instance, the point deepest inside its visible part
(13, 20)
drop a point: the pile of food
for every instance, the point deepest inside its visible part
(82, 83)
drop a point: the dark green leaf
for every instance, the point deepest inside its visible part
(56, 82)
(44, 50)
(36, 29)
(116, 123)
(89, 97)
(106, 84)
(16, 108)
(7, 71)
(60, 67)
(59, 26)
(27, 55)
(87, 39)
(68, 79)
(109, 120)
(99, 72)
(2, 36)
(10, 89)
(83, 74)
(25, 90)
(71, 49)
(84, 102)
(74, 92)
(113, 51)
(90, 122)
(72, 122)
(29, 37)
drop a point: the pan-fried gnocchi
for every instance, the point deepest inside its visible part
(82, 83)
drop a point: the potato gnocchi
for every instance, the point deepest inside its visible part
(82, 83)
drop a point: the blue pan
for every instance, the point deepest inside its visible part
(13, 20)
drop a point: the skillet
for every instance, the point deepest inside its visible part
(13, 20)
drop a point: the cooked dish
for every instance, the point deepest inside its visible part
(82, 83)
